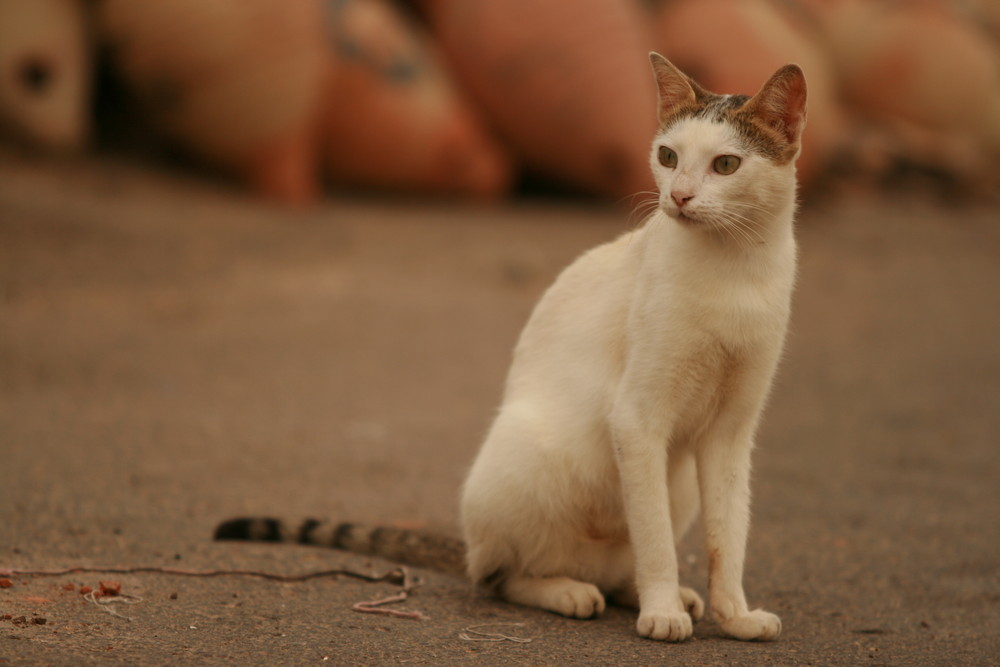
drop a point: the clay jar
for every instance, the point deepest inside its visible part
(567, 85)
(392, 118)
(45, 76)
(235, 82)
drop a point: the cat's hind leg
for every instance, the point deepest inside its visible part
(562, 595)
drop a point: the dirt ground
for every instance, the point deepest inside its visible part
(173, 354)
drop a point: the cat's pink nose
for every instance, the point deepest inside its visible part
(680, 197)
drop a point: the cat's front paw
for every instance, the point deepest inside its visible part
(692, 602)
(754, 625)
(670, 626)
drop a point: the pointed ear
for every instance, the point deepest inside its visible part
(781, 103)
(674, 88)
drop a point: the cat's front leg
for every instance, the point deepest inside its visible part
(724, 480)
(641, 455)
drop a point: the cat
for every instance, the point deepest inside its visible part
(638, 382)
(637, 385)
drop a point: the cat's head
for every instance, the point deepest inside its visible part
(727, 162)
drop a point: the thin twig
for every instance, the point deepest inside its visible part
(492, 636)
(375, 607)
(398, 576)
(104, 602)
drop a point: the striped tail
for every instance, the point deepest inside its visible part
(412, 547)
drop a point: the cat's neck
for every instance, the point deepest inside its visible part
(739, 294)
(766, 247)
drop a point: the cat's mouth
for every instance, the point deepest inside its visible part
(683, 217)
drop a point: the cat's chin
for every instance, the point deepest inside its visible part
(683, 218)
(698, 222)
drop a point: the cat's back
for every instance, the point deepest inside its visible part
(575, 334)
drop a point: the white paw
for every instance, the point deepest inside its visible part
(579, 600)
(666, 626)
(757, 624)
(693, 603)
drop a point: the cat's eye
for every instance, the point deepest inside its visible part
(668, 158)
(726, 164)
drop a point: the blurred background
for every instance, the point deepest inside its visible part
(493, 98)
(271, 257)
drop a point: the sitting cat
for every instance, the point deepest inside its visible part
(636, 388)
(638, 382)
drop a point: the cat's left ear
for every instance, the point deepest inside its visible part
(781, 103)
(674, 88)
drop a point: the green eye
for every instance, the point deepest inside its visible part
(667, 157)
(726, 164)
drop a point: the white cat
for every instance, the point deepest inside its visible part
(638, 383)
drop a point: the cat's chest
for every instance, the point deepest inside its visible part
(696, 292)
(688, 316)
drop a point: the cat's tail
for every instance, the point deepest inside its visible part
(413, 547)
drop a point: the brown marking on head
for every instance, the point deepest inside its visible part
(770, 123)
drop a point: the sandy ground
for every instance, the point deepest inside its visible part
(173, 354)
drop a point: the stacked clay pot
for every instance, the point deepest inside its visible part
(567, 85)
(236, 82)
(45, 72)
(392, 118)
(929, 79)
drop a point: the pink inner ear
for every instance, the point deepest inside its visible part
(795, 107)
(673, 87)
(782, 102)
(675, 92)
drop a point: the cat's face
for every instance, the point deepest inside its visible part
(727, 162)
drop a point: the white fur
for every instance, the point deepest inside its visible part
(633, 398)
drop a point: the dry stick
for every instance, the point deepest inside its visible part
(399, 576)
(492, 636)
(375, 607)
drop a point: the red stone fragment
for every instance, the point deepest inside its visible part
(110, 588)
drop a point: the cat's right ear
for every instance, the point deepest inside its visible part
(674, 89)
(781, 103)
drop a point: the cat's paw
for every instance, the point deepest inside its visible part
(579, 600)
(693, 603)
(667, 626)
(562, 595)
(754, 625)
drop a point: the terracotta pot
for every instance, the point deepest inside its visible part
(236, 82)
(566, 84)
(393, 118)
(919, 65)
(45, 72)
(734, 47)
